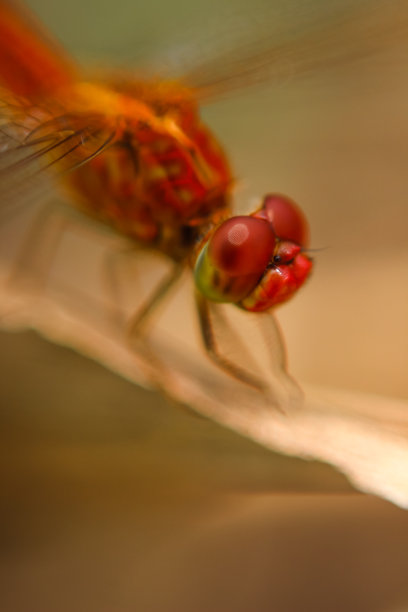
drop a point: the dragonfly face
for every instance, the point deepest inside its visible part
(256, 261)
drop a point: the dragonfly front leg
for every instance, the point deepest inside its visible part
(275, 345)
(271, 379)
(214, 353)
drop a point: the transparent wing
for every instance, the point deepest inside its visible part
(286, 41)
(34, 140)
(66, 141)
(37, 132)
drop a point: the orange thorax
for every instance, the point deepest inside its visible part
(164, 170)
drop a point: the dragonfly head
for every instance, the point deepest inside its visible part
(256, 261)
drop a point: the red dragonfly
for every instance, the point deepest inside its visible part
(135, 156)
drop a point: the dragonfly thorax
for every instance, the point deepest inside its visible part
(163, 173)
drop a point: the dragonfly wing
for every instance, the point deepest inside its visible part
(299, 44)
(33, 141)
(36, 131)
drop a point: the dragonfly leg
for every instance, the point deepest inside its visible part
(275, 345)
(139, 321)
(112, 261)
(214, 353)
(137, 328)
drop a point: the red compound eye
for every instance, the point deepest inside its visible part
(286, 218)
(242, 245)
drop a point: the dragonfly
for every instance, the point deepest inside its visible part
(135, 157)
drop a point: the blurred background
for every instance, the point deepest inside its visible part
(113, 498)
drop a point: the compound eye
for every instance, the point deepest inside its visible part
(242, 245)
(286, 218)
